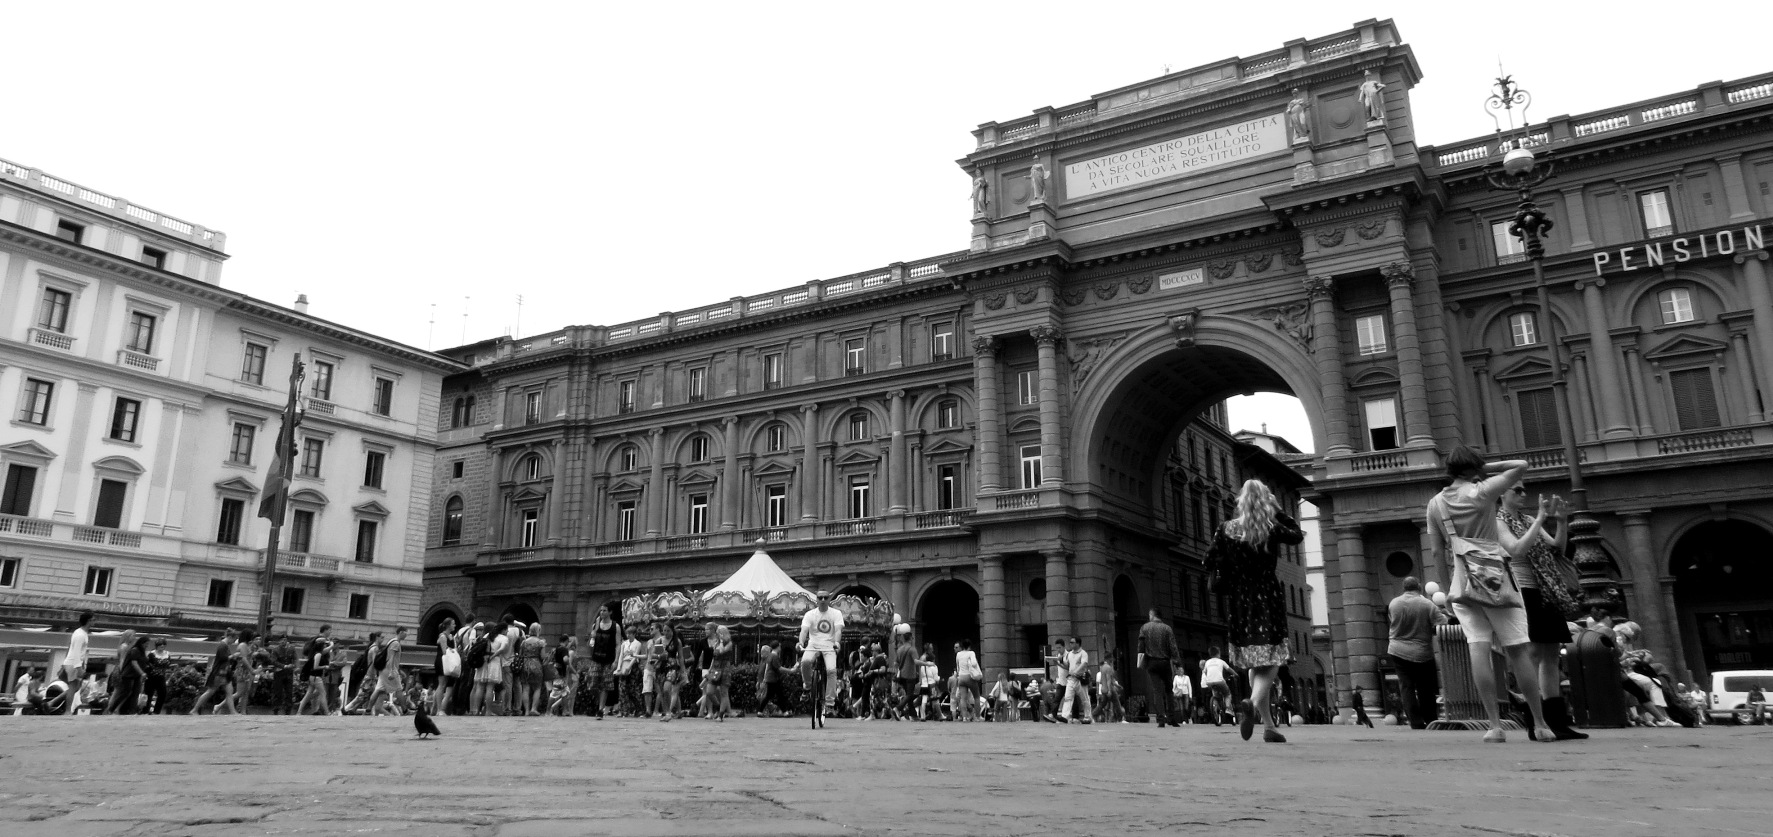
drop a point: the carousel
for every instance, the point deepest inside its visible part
(760, 600)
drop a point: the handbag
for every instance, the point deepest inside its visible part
(1480, 570)
(1555, 576)
(452, 663)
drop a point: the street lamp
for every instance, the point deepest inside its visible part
(1520, 172)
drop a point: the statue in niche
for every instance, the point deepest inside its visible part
(981, 201)
(1299, 115)
(1372, 98)
(1037, 183)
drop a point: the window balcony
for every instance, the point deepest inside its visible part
(137, 360)
(305, 561)
(319, 407)
(52, 339)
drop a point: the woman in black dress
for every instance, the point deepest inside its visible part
(1241, 566)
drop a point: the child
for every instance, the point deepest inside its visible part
(557, 697)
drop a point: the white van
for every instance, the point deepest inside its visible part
(1729, 693)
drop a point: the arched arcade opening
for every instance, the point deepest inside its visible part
(1723, 595)
(949, 613)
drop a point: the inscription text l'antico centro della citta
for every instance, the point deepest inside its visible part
(1175, 158)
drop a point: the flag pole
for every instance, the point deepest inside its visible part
(277, 490)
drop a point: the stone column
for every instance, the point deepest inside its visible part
(985, 380)
(557, 495)
(1646, 586)
(1760, 300)
(1058, 610)
(1614, 419)
(901, 593)
(809, 463)
(1487, 403)
(1326, 350)
(1399, 276)
(582, 618)
(994, 628)
(729, 478)
(655, 486)
(1580, 397)
(1640, 403)
(1357, 613)
(1052, 462)
(1744, 375)
(899, 474)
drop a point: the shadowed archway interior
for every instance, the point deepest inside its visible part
(949, 612)
(1723, 573)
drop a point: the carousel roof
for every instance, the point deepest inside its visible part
(760, 574)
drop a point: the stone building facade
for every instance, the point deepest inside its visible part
(986, 438)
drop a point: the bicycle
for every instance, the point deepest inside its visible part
(815, 693)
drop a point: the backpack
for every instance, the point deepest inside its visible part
(476, 654)
(382, 655)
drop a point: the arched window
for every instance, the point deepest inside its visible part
(776, 438)
(699, 449)
(629, 458)
(858, 426)
(452, 521)
(531, 469)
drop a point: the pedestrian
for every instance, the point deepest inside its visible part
(314, 670)
(904, 671)
(1215, 681)
(605, 636)
(74, 664)
(283, 663)
(385, 670)
(1157, 652)
(154, 686)
(1547, 629)
(1182, 689)
(1360, 710)
(928, 675)
(1110, 708)
(566, 671)
(723, 655)
(1076, 663)
(445, 669)
(126, 689)
(489, 676)
(653, 675)
(125, 641)
(968, 678)
(670, 676)
(1240, 567)
(532, 672)
(1413, 620)
(220, 676)
(361, 684)
(1486, 603)
(250, 658)
(628, 673)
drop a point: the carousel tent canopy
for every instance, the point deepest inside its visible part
(760, 574)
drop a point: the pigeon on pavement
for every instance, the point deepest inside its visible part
(421, 720)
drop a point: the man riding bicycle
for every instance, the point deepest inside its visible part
(821, 632)
(1215, 680)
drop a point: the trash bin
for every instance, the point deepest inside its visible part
(1462, 707)
(1596, 700)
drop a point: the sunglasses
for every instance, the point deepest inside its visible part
(1517, 490)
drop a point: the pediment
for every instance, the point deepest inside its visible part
(26, 450)
(527, 493)
(371, 509)
(239, 484)
(120, 464)
(947, 446)
(696, 477)
(1526, 368)
(625, 485)
(309, 496)
(857, 457)
(773, 468)
(1025, 423)
(1375, 377)
(1682, 345)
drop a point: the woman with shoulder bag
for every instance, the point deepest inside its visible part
(1462, 526)
(1536, 564)
(448, 668)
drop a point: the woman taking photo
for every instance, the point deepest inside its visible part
(1240, 566)
(1532, 546)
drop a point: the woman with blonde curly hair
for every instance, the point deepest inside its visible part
(1241, 566)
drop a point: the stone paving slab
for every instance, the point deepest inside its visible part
(539, 777)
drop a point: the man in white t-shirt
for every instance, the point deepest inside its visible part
(1183, 691)
(1076, 664)
(821, 633)
(74, 666)
(1213, 673)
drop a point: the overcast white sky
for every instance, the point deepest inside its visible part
(609, 163)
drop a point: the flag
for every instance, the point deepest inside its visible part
(277, 481)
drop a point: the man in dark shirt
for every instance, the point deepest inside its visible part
(283, 662)
(771, 669)
(1413, 619)
(1157, 652)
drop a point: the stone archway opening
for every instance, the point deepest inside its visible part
(433, 623)
(949, 613)
(522, 613)
(1723, 594)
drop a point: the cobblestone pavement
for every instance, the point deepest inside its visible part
(511, 777)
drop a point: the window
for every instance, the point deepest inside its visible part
(775, 505)
(382, 402)
(772, 371)
(948, 415)
(221, 593)
(698, 515)
(1509, 248)
(775, 439)
(858, 496)
(252, 364)
(855, 356)
(141, 332)
(1030, 466)
(366, 541)
(301, 531)
(1523, 328)
(698, 384)
(630, 458)
(462, 414)
(8, 572)
(625, 520)
(1677, 306)
(1657, 220)
(947, 486)
(1539, 419)
(227, 528)
(98, 581)
(154, 258)
(21, 489)
(452, 521)
(52, 310)
(1026, 389)
(322, 388)
(942, 341)
(34, 408)
(528, 527)
(70, 231)
(532, 468)
(699, 449)
(126, 414)
(1696, 402)
(293, 599)
(108, 513)
(858, 426)
(532, 408)
(358, 607)
(1381, 423)
(240, 451)
(456, 469)
(313, 450)
(1370, 334)
(374, 462)
(624, 398)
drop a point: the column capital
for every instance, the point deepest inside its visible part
(1757, 255)
(809, 408)
(1322, 285)
(1346, 530)
(899, 575)
(656, 432)
(991, 559)
(1046, 335)
(1399, 273)
(896, 394)
(1055, 554)
(986, 344)
(1635, 517)
(729, 421)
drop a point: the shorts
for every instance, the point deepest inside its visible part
(1221, 688)
(1544, 622)
(1504, 626)
(648, 681)
(597, 675)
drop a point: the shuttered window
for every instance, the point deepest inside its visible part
(1539, 419)
(1696, 405)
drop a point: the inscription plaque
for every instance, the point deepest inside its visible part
(1175, 158)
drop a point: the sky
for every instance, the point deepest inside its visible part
(413, 168)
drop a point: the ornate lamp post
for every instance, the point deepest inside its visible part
(1520, 172)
